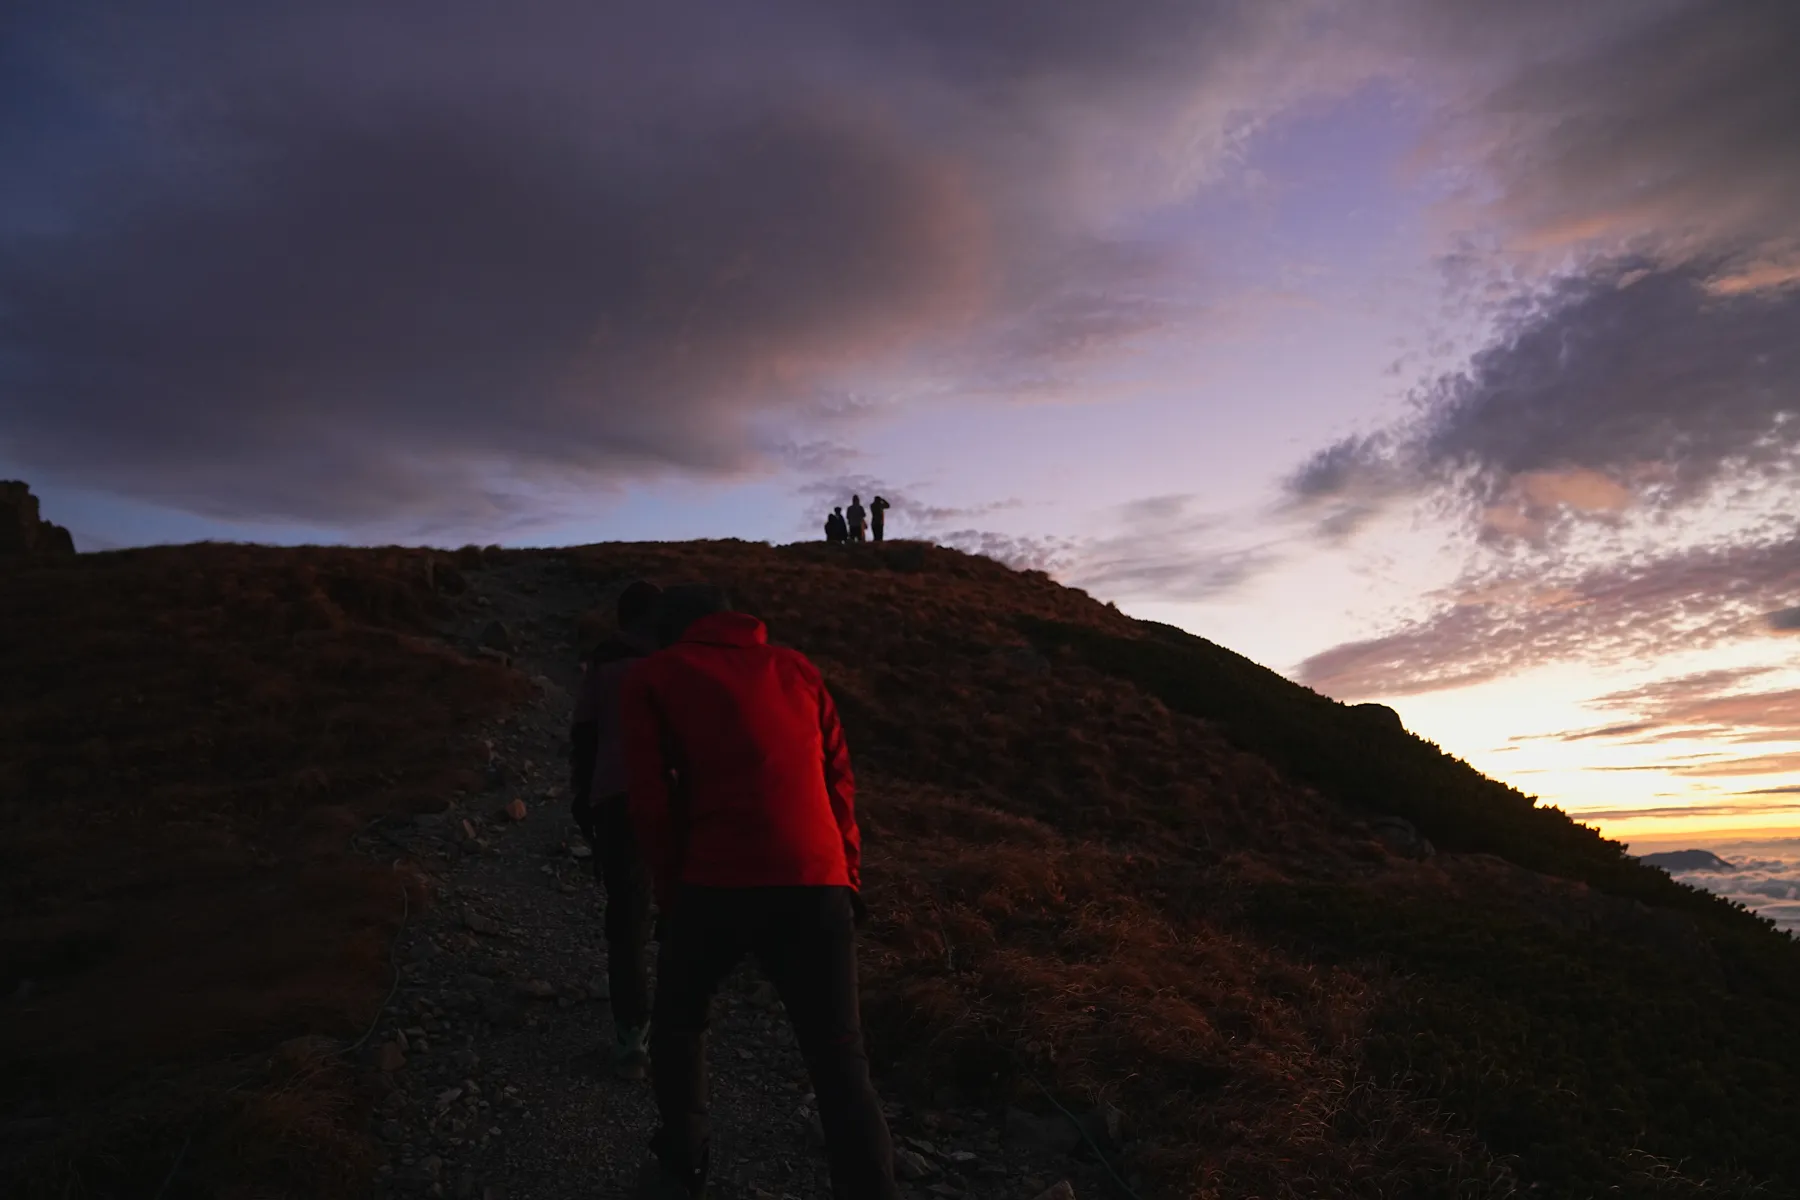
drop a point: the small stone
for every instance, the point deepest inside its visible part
(963, 1156)
(480, 924)
(449, 1096)
(514, 810)
(389, 1058)
(580, 852)
(911, 1165)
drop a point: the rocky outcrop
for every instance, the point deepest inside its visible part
(23, 533)
(1381, 714)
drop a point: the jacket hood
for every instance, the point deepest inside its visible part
(727, 629)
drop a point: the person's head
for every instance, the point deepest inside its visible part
(856, 499)
(839, 510)
(684, 604)
(637, 604)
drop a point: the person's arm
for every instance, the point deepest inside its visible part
(584, 747)
(840, 784)
(647, 780)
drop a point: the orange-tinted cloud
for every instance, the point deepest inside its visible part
(1630, 610)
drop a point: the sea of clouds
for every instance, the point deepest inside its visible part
(1766, 877)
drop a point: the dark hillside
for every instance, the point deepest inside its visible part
(193, 736)
(1109, 863)
(1136, 862)
(1364, 762)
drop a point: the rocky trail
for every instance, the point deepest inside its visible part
(491, 1052)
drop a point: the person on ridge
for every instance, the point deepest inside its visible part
(878, 516)
(858, 518)
(597, 782)
(744, 804)
(836, 531)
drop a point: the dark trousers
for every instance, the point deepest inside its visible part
(618, 865)
(804, 938)
(876, 529)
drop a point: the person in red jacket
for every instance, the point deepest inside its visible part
(744, 804)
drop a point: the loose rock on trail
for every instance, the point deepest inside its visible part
(492, 1055)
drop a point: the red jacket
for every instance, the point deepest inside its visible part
(736, 764)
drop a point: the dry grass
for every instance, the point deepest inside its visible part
(1004, 952)
(194, 735)
(1071, 883)
(1054, 864)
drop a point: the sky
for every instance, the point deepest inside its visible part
(1434, 352)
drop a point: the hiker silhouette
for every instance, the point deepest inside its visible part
(597, 782)
(878, 516)
(836, 531)
(858, 518)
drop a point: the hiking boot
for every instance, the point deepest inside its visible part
(631, 1054)
(657, 1182)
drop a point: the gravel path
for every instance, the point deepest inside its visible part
(491, 1053)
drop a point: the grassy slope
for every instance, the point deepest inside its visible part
(1104, 856)
(1598, 1062)
(192, 736)
(1136, 873)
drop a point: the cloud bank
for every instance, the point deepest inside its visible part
(334, 262)
(1766, 877)
(1617, 461)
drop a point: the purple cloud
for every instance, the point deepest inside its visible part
(339, 262)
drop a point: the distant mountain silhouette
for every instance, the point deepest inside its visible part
(1686, 860)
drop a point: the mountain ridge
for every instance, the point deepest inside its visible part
(1107, 858)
